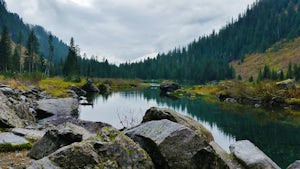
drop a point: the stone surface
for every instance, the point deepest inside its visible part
(63, 107)
(169, 87)
(104, 89)
(78, 91)
(286, 84)
(10, 138)
(8, 118)
(295, 165)
(251, 156)
(29, 134)
(110, 149)
(172, 145)
(89, 87)
(7, 90)
(155, 113)
(24, 112)
(58, 137)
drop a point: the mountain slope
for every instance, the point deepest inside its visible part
(16, 26)
(277, 57)
(261, 26)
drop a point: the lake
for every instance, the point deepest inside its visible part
(280, 141)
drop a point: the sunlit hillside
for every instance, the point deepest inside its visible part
(277, 57)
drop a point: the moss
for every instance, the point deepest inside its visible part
(9, 147)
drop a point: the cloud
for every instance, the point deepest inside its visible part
(127, 29)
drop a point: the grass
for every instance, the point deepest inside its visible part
(57, 86)
(277, 57)
(10, 148)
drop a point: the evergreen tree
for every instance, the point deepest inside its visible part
(251, 79)
(5, 49)
(260, 76)
(71, 66)
(266, 72)
(15, 61)
(33, 48)
(50, 56)
(281, 75)
(289, 74)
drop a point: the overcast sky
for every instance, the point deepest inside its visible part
(123, 30)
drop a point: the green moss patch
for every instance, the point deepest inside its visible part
(9, 147)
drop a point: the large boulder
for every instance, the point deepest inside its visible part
(286, 84)
(10, 138)
(172, 145)
(169, 87)
(109, 149)
(59, 107)
(295, 165)
(78, 91)
(251, 156)
(24, 112)
(104, 88)
(8, 117)
(155, 113)
(90, 87)
(29, 133)
(58, 137)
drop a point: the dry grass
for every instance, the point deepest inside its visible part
(203, 90)
(277, 57)
(13, 159)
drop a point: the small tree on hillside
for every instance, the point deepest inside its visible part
(71, 66)
(5, 49)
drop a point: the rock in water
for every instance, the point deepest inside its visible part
(54, 139)
(78, 91)
(155, 113)
(251, 156)
(172, 145)
(295, 165)
(110, 149)
(90, 87)
(169, 87)
(63, 107)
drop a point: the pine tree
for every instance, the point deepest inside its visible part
(72, 66)
(50, 56)
(5, 49)
(251, 79)
(289, 74)
(33, 48)
(15, 61)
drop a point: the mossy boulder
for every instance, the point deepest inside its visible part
(172, 145)
(109, 149)
(155, 113)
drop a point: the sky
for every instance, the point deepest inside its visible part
(125, 30)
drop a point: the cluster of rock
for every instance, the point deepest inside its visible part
(165, 139)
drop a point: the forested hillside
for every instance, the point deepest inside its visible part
(205, 59)
(19, 31)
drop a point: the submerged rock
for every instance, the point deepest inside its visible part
(155, 113)
(110, 149)
(251, 156)
(172, 145)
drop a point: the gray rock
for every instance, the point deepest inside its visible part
(172, 145)
(110, 149)
(29, 134)
(251, 156)
(24, 112)
(58, 137)
(89, 87)
(7, 90)
(155, 113)
(286, 84)
(295, 165)
(44, 163)
(61, 107)
(8, 118)
(169, 87)
(78, 91)
(104, 88)
(10, 138)
(230, 100)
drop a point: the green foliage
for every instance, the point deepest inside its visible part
(239, 77)
(5, 49)
(71, 66)
(289, 74)
(9, 147)
(251, 79)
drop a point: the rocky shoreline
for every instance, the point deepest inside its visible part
(165, 139)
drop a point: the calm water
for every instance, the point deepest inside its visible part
(279, 141)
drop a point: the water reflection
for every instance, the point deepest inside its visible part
(280, 141)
